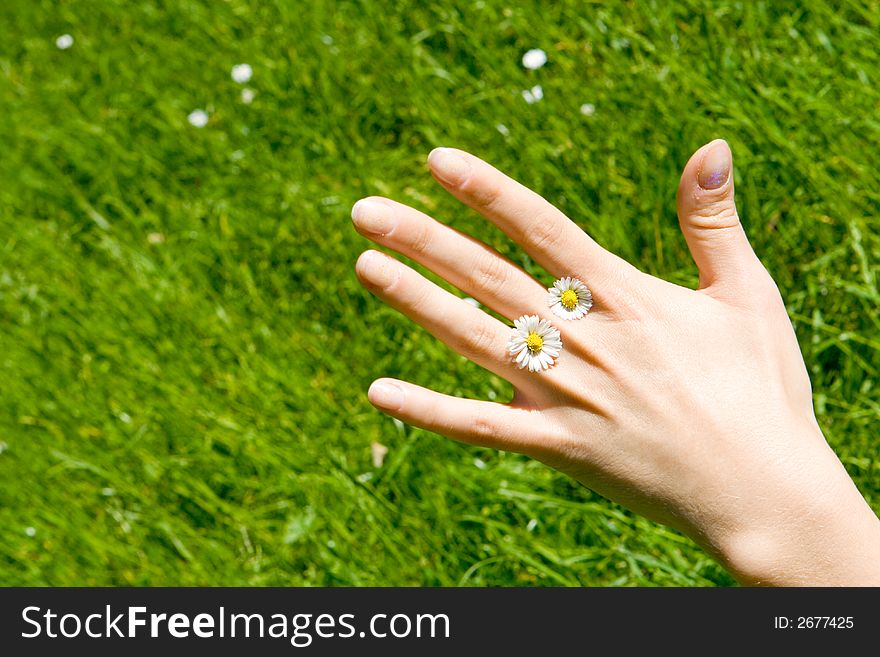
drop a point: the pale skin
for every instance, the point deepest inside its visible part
(691, 407)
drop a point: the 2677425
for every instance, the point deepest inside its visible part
(813, 622)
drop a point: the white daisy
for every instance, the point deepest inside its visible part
(242, 73)
(569, 298)
(534, 94)
(64, 42)
(198, 118)
(534, 343)
(534, 59)
(378, 451)
(588, 109)
(247, 95)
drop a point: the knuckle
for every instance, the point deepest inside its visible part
(419, 296)
(714, 215)
(544, 233)
(409, 291)
(485, 194)
(490, 273)
(480, 338)
(421, 239)
(483, 429)
(433, 416)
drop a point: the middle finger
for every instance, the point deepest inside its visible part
(468, 264)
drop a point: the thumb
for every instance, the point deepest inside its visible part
(709, 220)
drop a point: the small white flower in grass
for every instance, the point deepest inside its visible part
(378, 451)
(198, 118)
(30, 531)
(569, 298)
(242, 73)
(247, 95)
(588, 109)
(64, 42)
(534, 59)
(534, 94)
(534, 343)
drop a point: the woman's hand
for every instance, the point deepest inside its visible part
(690, 407)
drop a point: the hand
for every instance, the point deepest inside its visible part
(693, 408)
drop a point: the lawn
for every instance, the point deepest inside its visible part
(184, 348)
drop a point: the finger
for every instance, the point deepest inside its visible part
(710, 223)
(483, 423)
(551, 238)
(470, 265)
(468, 330)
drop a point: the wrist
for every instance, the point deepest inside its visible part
(822, 535)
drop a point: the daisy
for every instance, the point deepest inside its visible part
(569, 298)
(64, 42)
(378, 451)
(534, 343)
(534, 94)
(534, 59)
(198, 118)
(242, 73)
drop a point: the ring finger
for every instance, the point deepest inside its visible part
(468, 330)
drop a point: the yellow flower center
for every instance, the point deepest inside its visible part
(534, 342)
(569, 299)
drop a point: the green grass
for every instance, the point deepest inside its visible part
(192, 410)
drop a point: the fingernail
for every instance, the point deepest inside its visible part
(378, 269)
(373, 216)
(449, 166)
(386, 394)
(715, 167)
